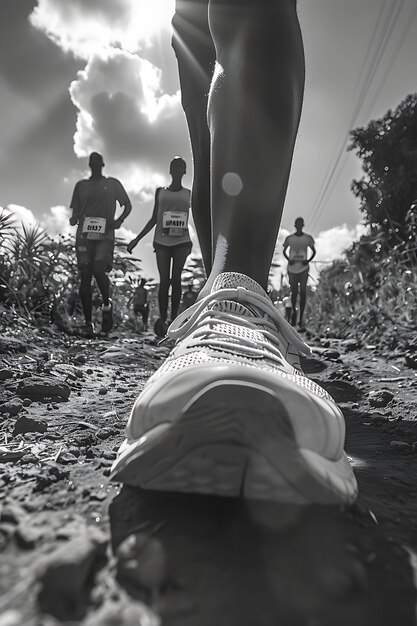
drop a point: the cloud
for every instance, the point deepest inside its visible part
(123, 108)
(22, 215)
(54, 222)
(123, 112)
(81, 27)
(331, 243)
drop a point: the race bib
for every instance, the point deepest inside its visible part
(174, 223)
(298, 256)
(94, 227)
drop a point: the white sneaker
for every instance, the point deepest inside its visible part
(230, 413)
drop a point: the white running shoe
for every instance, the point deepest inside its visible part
(230, 413)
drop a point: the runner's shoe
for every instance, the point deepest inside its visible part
(230, 413)
(87, 330)
(107, 317)
(160, 328)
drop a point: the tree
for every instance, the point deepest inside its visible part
(388, 149)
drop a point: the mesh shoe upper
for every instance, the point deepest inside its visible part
(237, 323)
(232, 347)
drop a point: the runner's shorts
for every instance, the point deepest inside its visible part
(90, 250)
(298, 279)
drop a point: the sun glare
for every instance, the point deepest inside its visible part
(151, 16)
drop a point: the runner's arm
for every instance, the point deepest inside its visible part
(148, 227)
(314, 252)
(284, 252)
(124, 201)
(75, 206)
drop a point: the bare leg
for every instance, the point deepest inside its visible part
(303, 298)
(294, 296)
(195, 53)
(254, 111)
(178, 260)
(103, 281)
(86, 273)
(163, 261)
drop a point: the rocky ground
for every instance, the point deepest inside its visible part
(76, 549)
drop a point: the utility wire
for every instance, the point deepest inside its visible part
(380, 85)
(361, 76)
(387, 30)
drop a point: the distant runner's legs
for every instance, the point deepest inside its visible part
(293, 279)
(103, 281)
(163, 261)
(86, 274)
(303, 295)
(179, 256)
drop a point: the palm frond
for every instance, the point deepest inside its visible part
(7, 224)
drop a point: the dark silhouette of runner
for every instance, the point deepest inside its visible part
(140, 302)
(93, 207)
(171, 240)
(298, 267)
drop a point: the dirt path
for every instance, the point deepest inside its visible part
(203, 561)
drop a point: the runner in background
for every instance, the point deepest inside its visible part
(140, 303)
(188, 297)
(286, 301)
(298, 267)
(171, 241)
(93, 207)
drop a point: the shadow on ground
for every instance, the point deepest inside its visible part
(237, 563)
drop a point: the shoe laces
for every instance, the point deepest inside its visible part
(205, 324)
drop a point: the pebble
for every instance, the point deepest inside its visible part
(5, 374)
(142, 559)
(105, 433)
(26, 424)
(26, 536)
(102, 391)
(37, 388)
(380, 398)
(109, 454)
(411, 361)
(65, 574)
(13, 407)
(401, 446)
(351, 344)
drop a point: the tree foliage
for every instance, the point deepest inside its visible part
(388, 150)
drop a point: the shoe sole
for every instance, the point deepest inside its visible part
(234, 439)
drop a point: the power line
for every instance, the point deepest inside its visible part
(380, 85)
(365, 83)
(394, 57)
(367, 55)
(388, 27)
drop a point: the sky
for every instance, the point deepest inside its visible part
(84, 75)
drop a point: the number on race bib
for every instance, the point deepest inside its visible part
(174, 223)
(94, 227)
